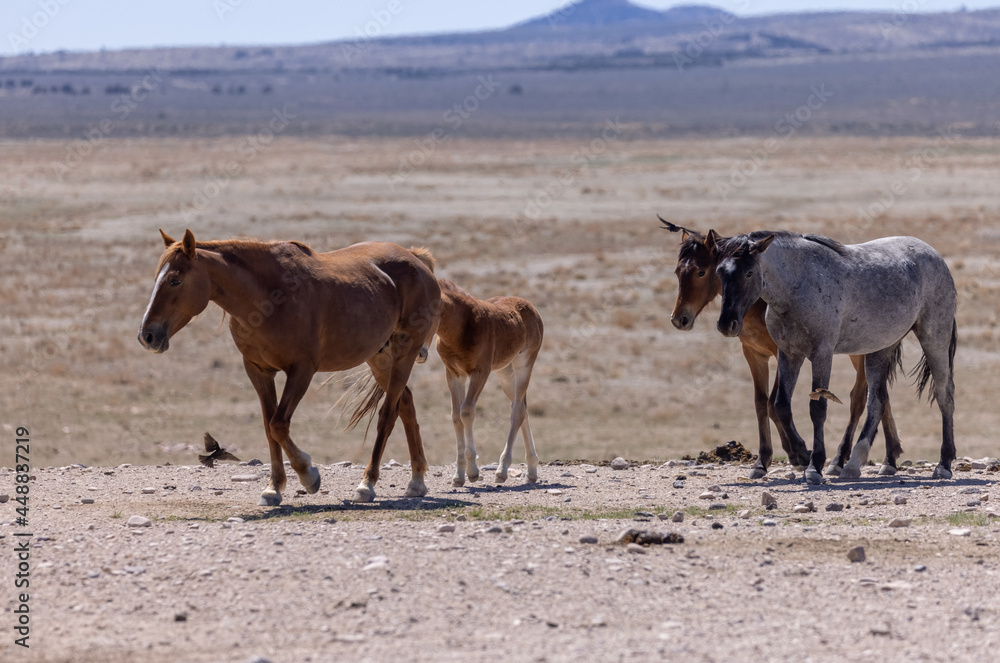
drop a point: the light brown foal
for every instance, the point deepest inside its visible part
(698, 286)
(475, 338)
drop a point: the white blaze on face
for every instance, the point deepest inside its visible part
(156, 288)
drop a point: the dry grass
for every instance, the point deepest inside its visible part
(614, 377)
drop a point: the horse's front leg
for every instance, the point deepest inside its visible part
(788, 375)
(456, 386)
(298, 379)
(263, 384)
(759, 373)
(468, 415)
(822, 364)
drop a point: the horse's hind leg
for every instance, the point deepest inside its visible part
(877, 367)
(263, 384)
(938, 366)
(392, 378)
(408, 415)
(456, 385)
(514, 380)
(859, 394)
(761, 401)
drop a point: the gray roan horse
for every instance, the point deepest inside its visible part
(825, 298)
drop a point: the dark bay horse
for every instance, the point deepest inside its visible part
(823, 298)
(698, 285)
(297, 311)
(475, 338)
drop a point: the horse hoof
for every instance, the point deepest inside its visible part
(813, 477)
(941, 472)
(886, 470)
(474, 477)
(501, 476)
(364, 494)
(311, 484)
(757, 473)
(850, 472)
(415, 489)
(269, 498)
(457, 482)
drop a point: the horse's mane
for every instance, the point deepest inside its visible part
(238, 250)
(452, 287)
(731, 247)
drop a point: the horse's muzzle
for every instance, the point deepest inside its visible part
(154, 338)
(683, 322)
(730, 328)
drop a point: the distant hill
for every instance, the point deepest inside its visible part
(586, 34)
(614, 12)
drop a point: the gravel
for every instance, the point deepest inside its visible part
(530, 575)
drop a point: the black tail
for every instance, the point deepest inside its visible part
(924, 370)
(896, 363)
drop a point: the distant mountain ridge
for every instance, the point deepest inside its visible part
(614, 12)
(586, 35)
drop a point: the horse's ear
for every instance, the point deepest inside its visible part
(711, 240)
(189, 244)
(167, 239)
(758, 247)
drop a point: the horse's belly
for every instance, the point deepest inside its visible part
(863, 336)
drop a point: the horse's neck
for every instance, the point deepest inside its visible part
(455, 311)
(775, 275)
(234, 287)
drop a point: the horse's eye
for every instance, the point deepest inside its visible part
(175, 282)
(701, 273)
(749, 273)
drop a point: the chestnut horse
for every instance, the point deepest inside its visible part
(475, 338)
(297, 311)
(699, 284)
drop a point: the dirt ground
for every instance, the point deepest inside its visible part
(571, 226)
(215, 578)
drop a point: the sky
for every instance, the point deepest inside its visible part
(42, 26)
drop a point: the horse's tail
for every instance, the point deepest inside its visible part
(364, 396)
(424, 255)
(924, 369)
